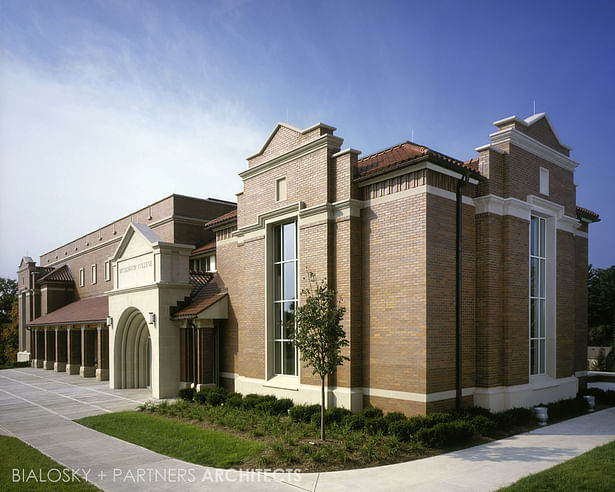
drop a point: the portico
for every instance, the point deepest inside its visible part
(150, 277)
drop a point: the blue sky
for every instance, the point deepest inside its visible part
(106, 106)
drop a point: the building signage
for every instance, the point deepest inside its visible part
(136, 272)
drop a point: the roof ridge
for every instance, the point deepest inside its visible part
(389, 149)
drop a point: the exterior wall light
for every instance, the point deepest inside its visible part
(151, 318)
(109, 321)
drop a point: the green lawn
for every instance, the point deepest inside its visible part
(593, 471)
(23, 467)
(177, 439)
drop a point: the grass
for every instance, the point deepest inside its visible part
(15, 454)
(592, 471)
(177, 439)
(291, 439)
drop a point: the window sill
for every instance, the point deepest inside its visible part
(290, 383)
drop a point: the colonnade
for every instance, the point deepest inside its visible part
(75, 349)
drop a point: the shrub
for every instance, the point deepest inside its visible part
(377, 425)
(446, 434)
(602, 397)
(281, 407)
(401, 429)
(372, 413)
(471, 412)
(394, 417)
(252, 400)
(303, 413)
(483, 425)
(336, 414)
(566, 408)
(186, 394)
(354, 422)
(435, 418)
(234, 400)
(216, 396)
(517, 416)
(201, 397)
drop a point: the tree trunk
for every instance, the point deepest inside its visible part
(322, 408)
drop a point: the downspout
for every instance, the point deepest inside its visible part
(458, 287)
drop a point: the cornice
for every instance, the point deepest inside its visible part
(523, 141)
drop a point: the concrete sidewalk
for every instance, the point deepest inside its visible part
(38, 407)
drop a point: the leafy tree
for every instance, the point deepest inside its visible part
(9, 337)
(601, 296)
(319, 334)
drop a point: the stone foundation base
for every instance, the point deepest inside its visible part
(199, 387)
(59, 367)
(72, 368)
(37, 363)
(23, 356)
(87, 371)
(102, 374)
(48, 364)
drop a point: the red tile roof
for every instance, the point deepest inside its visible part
(228, 217)
(90, 309)
(61, 274)
(198, 280)
(204, 247)
(207, 296)
(405, 154)
(584, 213)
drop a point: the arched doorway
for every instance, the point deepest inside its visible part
(133, 360)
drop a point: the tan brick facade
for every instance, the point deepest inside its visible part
(384, 236)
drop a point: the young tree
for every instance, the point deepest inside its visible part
(319, 335)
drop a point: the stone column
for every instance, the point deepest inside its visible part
(73, 350)
(50, 349)
(102, 371)
(40, 347)
(88, 337)
(33, 350)
(60, 363)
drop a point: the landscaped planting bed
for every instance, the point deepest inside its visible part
(290, 433)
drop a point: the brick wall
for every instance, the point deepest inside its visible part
(489, 301)
(580, 303)
(565, 304)
(394, 295)
(441, 295)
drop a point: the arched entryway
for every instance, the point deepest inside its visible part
(133, 353)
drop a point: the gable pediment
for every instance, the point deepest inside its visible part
(285, 138)
(138, 239)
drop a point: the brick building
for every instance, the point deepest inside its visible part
(460, 279)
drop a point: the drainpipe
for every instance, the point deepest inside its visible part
(458, 296)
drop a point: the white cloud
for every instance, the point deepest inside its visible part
(76, 153)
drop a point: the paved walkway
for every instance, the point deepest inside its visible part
(39, 406)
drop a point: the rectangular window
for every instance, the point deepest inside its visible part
(284, 297)
(538, 259)
(205, 264)
(107, 271)
(81, 277)
(93, 274)
(544, 181)
(280, 189)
